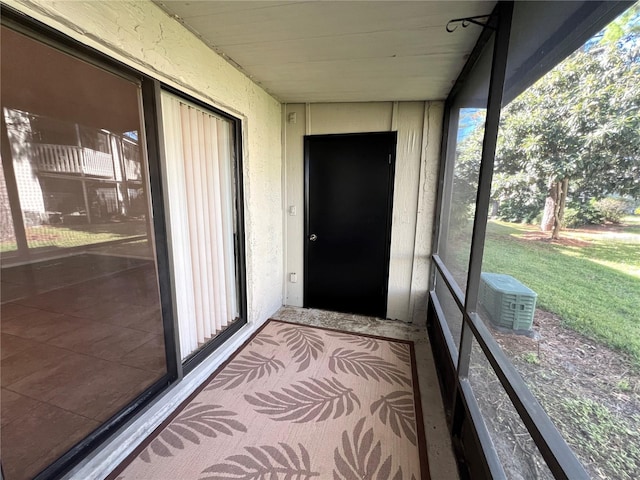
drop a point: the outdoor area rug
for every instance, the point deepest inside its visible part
(296, 402)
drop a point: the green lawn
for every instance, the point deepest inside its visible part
(591, 280)
(59, 236)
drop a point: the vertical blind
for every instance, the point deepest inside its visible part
(199, 151)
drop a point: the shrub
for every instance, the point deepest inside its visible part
(636, 211)
(571, 218)
(513, 210)
(578, 214)
(612, 209)
(538, 219)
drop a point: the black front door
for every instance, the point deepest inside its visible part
(348, 197)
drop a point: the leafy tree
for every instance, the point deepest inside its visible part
(573, 134)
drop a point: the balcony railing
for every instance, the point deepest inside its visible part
(68, 159)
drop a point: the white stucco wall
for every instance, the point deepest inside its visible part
(419, 126)
(141, 35)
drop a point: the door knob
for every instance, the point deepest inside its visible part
(313, 237)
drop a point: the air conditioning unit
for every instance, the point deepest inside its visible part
(508, 302)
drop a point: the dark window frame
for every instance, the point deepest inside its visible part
(152, 124)
(43, 33)
(477, 454)
(240, 258)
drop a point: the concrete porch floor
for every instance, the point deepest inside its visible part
(442, 464)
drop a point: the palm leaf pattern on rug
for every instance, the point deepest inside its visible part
(401, 351)
(360, 458)
(366, 366)
(306, 401)
(263, 339)
(304, 343)
(207, 420)
(264, 463)
(397, 410)
(244, 369)
(367, 343)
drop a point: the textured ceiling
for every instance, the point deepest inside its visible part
(338, 51)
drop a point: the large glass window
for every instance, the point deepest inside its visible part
(561, 277)
(466, 130)
(451, 311)
(201, 178)
(82, 332)
(518, 454)
(558, 289)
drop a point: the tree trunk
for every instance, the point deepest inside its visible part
(554, 207)
(548, 216)
(562, 201)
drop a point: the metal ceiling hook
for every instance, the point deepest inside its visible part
(465, 22)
